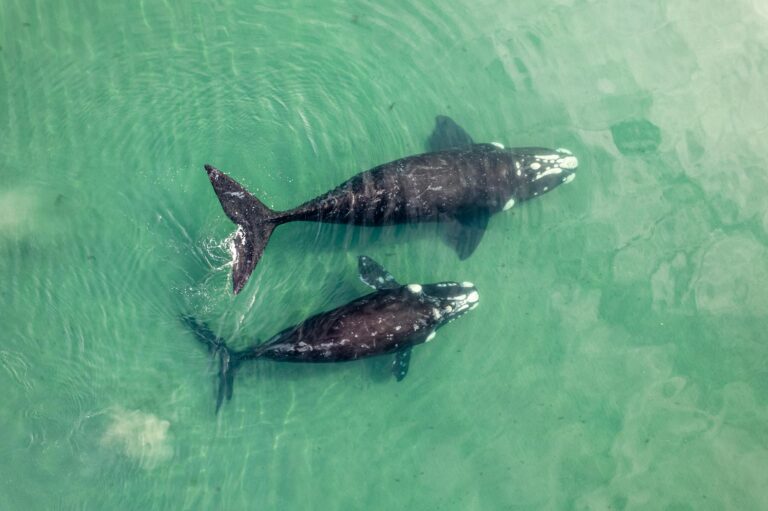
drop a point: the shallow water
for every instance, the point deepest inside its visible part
(617, 359)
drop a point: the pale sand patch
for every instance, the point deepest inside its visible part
(140, 436)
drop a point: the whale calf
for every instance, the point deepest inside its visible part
(459, 183)
(391, 320)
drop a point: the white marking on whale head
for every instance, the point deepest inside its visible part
(414, 288)
(430, 336)
(498, 144)
(569, 162)
(510, 203)
(542, 170)
(548, 172)
(569, 178)
(449, 300)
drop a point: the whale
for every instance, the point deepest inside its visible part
(391, 320)
(458, 183)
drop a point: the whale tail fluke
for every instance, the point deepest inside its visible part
(227, 359)
(255, 224)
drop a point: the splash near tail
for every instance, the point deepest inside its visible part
(227, 359)
(255, 224)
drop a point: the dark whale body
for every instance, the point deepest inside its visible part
(459, 183)
(392, 319)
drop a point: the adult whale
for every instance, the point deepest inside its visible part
(392, 319)
(460, 183)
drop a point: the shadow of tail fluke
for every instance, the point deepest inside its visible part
(255, 221)
(227, 359)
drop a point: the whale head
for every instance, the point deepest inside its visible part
(537, 170)
(449, 300)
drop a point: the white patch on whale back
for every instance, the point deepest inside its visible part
(430, 337)
(140, 436)
(509, 204)
(414, 288)
(239, 195)
(498, 144)
(569, 178)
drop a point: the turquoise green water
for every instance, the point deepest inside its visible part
(617, 359)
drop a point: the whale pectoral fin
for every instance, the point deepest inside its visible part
(466, 230)
(400, 365)
(374, 275)
(447, 134)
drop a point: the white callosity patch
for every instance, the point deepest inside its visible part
(460, 304)
(554, 164)
(550, 171)
(467, 284)
(498, 144)
(569, 178)
(140, 436)
(430, 337)
(569, 162)
(414, 288)
(510, 203)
